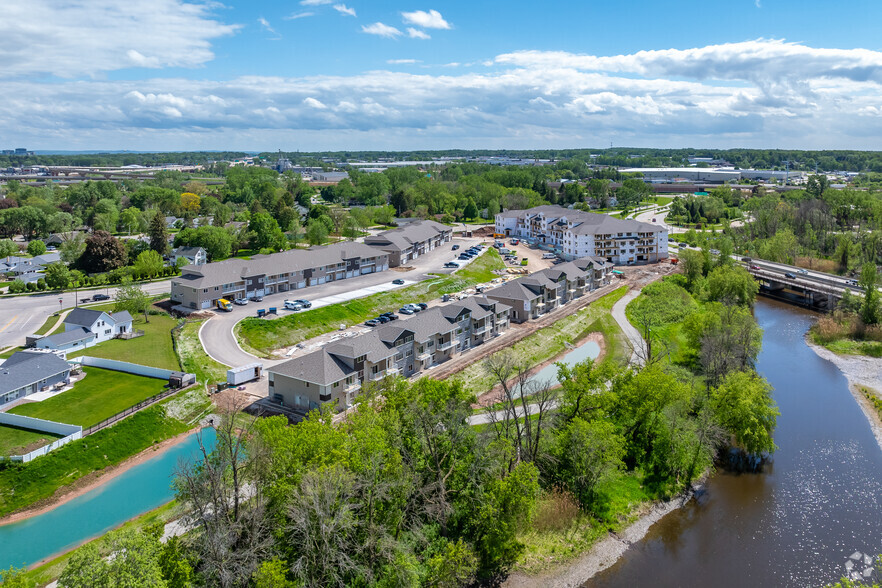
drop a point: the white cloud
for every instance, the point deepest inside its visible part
(402, 61)
(381, 30)
(344, 10)
(85, 37)
(528, 100)
(315, 2)
(269, 28)
(417, 34)
(428, 20)
(298, 15)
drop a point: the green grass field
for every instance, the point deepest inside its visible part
(193, 358)
(16, 441)
(155, 348)
(101, 394)
(552, 340)
(264, 336)
(48, 325)
(852, 347)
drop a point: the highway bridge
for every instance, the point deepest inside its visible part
(807, 287)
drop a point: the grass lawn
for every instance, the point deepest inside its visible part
(101, 394)
(192, 355)
(852, 347)
(264, 336)
(16, 441)
(48, 325)
(8, 354)
(21, 485)
(552, 340)
(155, 348)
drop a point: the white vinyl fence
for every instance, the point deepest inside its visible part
(69, 432)
(123, 366)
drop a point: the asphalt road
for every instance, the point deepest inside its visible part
(217, 333)
(20, 316)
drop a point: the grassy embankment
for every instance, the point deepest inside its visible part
(192, 355)
(847, 335)
(551, 341)
(664, 305)
(263, 336)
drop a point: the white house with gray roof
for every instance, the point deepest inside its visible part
(201, 286)
(410, 241)
(27, 372)
(337, 372)
(84, 327)
(576, 233)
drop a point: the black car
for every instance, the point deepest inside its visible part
(454, 248)
(371, 322)
(260, 299)
(422, 305)
(383, 319)
(398, 282)
(789, 275)
(451, 264)
(392, 317)
(97, 297)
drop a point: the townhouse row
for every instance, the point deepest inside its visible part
(577, 234)
(337, 372)
(410, 241)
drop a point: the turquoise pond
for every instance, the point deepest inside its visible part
(144, 487)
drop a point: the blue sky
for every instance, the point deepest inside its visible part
(318, 74)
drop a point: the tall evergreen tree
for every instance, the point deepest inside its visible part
(158, 234)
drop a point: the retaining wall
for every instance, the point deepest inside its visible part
(70, 432)
(123, 366)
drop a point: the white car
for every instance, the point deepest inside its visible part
(240, 301)
(293, 305)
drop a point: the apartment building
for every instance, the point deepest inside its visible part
(576, 233)
(337, 372)
(546, 290)
(410, 241)
(200, 286)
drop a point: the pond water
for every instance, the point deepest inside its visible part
(142, 488)
(798, 522)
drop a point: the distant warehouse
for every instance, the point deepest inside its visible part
(201, 286)
(719, 175)
(576, 233)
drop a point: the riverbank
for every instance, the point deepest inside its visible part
(861, 372)
(94, 480)
(606, 552)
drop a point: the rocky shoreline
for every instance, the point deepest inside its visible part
(860, 371)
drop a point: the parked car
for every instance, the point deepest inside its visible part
(398, 282)
(371, 322)
(383, 319)
(451, 264)
(293, 305)
(454, 248)
(258, 298)
(391, 316)
(852, 282)
(789, 275)
(422, 305)
(304, 303)
(405, 310)
(240, 301)
(97, 297)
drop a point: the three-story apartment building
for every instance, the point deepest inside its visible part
(577, 234)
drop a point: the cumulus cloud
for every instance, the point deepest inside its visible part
(402, 61)
(344, 10)
(428, 20)
(72, 38)
(525, 100)
(417, 34)
(381, 30)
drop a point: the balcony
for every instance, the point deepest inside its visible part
(353, 387)
(446, 345)
(392, 371)
(424, 356)
(482, 329)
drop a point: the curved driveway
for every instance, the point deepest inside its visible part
(217, 335)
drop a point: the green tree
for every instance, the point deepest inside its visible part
(870, 311)
(57, 276)
(135, 563)
(316, 232)
(149, 263)
(589, 453)
(272, 574)
(72, 248)
(744, 406)
(175, 563)
(158, 234)
(36, 247)
(7, 248)
(470, 211)
(264, 232)
(733, 285)
(130, 218)
(132, 298)
(16, 578)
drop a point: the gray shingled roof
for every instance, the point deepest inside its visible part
(318, 367)
(57, 340)
(368, 345)
(583, 222)
(83, 316)
(404, 237)
(28, 367)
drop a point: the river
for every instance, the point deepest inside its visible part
(797, 522)
(142, 488)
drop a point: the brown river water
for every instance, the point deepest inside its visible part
(797, 522)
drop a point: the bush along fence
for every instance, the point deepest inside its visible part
(70, 432)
